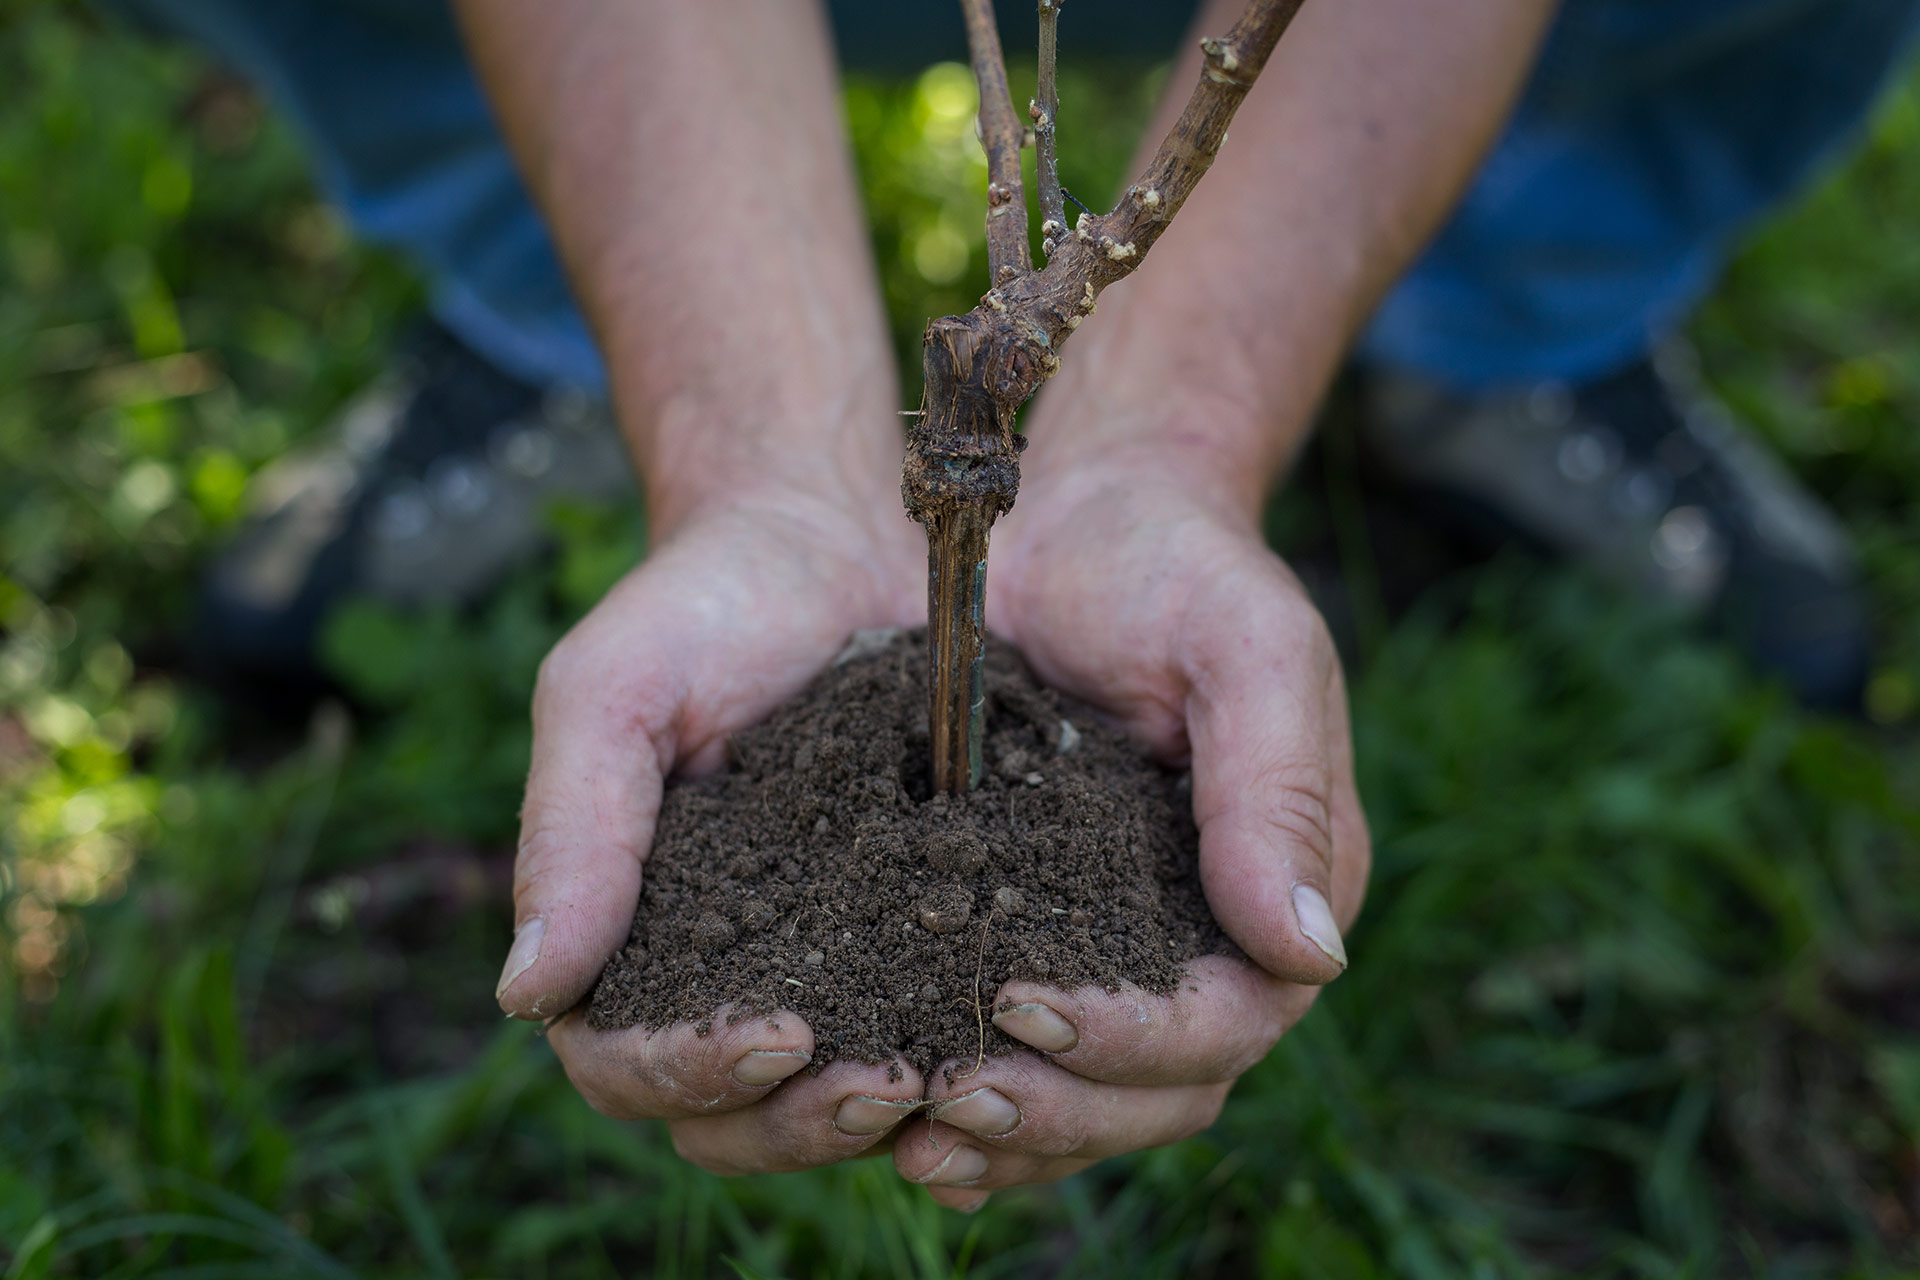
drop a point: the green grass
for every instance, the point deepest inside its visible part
(1637, 992)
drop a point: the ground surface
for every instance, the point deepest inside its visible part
(1634, 993)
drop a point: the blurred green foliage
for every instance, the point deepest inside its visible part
(1637, 992)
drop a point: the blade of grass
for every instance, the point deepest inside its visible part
(35, 1252)
(292, 1244)
(327, 742)
(404, 1181)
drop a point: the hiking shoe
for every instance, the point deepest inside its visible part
(1647, 478)
(429, 491)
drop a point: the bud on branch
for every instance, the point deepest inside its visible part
(962, 467)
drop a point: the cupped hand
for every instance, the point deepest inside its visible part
(1138, 588)
(731, 615)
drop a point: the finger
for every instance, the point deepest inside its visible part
(1266, 751)
(1352, 842)
(807, 1122)
(639, 1074)
(959, 1199)
(945, 1159)
(593, 793)
(1024, 1104)
(1222, 1018)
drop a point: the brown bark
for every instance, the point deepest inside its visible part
(1002, 136)
(957, 630)
(962, 467)
(1046, 148)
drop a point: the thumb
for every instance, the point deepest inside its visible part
(593, 794)
(1267, 721)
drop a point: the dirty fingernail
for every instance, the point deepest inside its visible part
(970, 1205)
(860, 1115)
(766, 1066)
(987, 1112)
(1039, 1026)
(962, 1165)
(1316, 921)
(526, 950)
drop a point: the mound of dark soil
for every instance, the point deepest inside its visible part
(820, 875)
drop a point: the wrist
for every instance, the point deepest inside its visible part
(699, 454)
(1221, 450)
(846, 523)
(1178, 395)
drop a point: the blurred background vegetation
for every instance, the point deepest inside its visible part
(1637, 991)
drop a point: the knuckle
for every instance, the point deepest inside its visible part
(1246, 1053)
(653, 1079)
(692, 1146)
(1200, 1115)
(558, 671)
(674, 1087)
(1355, 844)
(1123, 1037)
(542, 836)
(1240, 1051)
(1293, 1006)
(1296, 628)
(608, 1102)
(1296, 809)
(1286, 615)
(798, 1142)
(1077, 1129)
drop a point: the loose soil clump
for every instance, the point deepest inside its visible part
(819, 874)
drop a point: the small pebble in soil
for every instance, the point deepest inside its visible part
(946, 909)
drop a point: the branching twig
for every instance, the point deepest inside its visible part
(962, 469)
(1233, 61)
(1001, 135)
(1046, 118)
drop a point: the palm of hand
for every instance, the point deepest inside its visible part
(1143, 603)
(1148, 604)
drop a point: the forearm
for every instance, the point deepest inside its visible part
(692, 166)
(1351, 147)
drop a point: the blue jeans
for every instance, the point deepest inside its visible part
(1650, 133)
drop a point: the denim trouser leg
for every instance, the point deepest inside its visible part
(402, 139)
(1650, 134)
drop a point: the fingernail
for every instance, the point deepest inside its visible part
(526, 950)
(971, 1206)
(1316, 921)
(962, 1165)
(766, 1066)
(987, 1112)
(1039, 1026)
(862, 1116)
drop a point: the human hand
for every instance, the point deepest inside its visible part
(1133, 584)
(733, 613)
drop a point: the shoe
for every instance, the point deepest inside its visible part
(1645, 477)
(429, 491)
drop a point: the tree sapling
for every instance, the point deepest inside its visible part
(962, 466)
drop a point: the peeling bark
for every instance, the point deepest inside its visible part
(962, 467)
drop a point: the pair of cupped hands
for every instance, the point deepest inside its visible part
(1130, 581)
